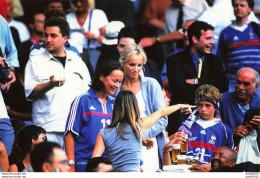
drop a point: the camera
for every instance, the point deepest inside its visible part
(4, 73)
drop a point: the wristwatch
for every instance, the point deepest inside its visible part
(194, 81)
(71, 162)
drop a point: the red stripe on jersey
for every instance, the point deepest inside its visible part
(97, 113)
(202, 144)
(245, 43)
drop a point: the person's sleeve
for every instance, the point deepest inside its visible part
(158, 102)
(230, 142)
(176, 77)
(74, 117)
(31, 78)
(10, 50)
(103, 21)
(221, 48)
(85, 75)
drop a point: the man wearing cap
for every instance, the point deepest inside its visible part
(109, 42)
(205, 129)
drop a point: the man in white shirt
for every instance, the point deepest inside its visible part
(53, 79)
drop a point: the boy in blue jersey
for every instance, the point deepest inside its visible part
(206, 131)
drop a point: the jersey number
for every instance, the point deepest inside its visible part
(105, 122)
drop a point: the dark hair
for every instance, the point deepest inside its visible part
(58, 22)
(53, 1)
(129, 32)
(105, 69)
(126, 112)
(32, 20)
(195, 30)
(55, 13)
(23, 142)
(93, 163)
(250, 3)
(42, 152)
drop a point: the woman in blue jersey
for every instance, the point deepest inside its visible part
(122, 139)
(91, 112)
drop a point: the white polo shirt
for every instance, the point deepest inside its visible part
(50, 110)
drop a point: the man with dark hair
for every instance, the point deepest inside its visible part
(239, 43)
(193, 67)
(53, 5)
(49, 157)
(99, 164)
(53, 79)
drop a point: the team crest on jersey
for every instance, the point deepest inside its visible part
(251, 35)
(212, 140)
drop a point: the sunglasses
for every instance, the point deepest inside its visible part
(44, 138)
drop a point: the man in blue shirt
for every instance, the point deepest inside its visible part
(235, 104)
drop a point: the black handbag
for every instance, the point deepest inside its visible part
(4, 72)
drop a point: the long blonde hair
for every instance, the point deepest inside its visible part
(125, 112)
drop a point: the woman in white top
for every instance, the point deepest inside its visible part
(87, 29)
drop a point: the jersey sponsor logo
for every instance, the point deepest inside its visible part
(92, 108)
(203, 132)
(235, 38)
(212, 140)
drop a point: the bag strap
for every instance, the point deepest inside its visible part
(256, 28)
(89, 24)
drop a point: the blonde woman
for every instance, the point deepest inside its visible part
(149, 97)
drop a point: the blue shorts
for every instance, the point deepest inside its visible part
(7, 134)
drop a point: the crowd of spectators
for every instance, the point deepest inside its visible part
(85, 85)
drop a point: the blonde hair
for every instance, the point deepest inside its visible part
(130, 50)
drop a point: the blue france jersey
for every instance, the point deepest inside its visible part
(86, 117)
(207, 138)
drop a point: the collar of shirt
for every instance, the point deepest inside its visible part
(68, 55)
(93, 94)
(196, 58)
(242, 107)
